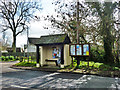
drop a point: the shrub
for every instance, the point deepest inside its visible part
(11, 57)
(3, 58)
(97, 55)
(17, 58)
(7, 58)
(95, 65)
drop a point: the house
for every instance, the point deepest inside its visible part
(31, 44)
(10, 49)
(0, 45)
(53, 48)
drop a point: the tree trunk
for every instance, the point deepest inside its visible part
(108, 50)
(14, 43)
(117, 57)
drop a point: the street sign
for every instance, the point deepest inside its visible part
(79, 49)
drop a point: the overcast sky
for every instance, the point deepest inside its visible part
(36, 27)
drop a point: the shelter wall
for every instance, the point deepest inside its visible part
(43, 53)
(46, 53)
(67, 57)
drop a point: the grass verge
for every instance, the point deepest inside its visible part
(26, 64)
(95, 68)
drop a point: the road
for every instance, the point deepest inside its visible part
(27, 79)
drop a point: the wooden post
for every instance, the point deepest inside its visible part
(88, 64)
(78, 61)
(72, 61)
(62, 54)
(37, 55)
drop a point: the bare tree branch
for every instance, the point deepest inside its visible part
(15, 12)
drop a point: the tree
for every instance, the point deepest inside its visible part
(117, 34)
(70, 18)
(105, 12)
(66, 21)
(102, 28)
(16, 15)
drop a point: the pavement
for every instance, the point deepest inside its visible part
(30, 79)
(45, 68)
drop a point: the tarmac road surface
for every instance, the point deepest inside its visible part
(27, 79)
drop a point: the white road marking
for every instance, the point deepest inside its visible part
(47, 83)
(18, 86)
(33, 81)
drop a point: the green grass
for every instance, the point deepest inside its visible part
(26, 64)
(25, 59)
(94, 66)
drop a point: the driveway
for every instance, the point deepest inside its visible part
(27, 79)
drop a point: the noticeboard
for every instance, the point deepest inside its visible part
(79, 49)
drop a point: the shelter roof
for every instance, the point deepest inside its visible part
(50, 39)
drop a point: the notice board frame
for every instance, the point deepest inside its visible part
(76, 50)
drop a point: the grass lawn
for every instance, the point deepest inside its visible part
(26, 64)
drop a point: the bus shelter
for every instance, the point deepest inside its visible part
(54, 50)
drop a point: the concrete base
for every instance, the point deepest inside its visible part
(62, 66)
(41, 65)
(37, 65)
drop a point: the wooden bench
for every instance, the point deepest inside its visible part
(51, 61)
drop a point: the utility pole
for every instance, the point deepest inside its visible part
(77, 19)
(27, 41)
(27, 45)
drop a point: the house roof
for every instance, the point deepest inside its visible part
(51, 39)
(33, 40)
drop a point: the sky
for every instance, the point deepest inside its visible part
(36, 27)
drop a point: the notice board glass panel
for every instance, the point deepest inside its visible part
(85, 49)
(72, 49)
(78, 50)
